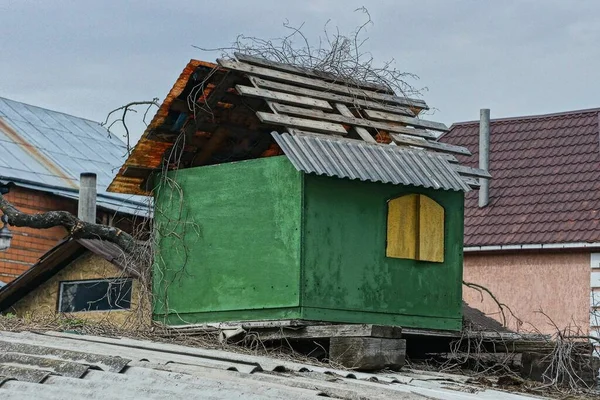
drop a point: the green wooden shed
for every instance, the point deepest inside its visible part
(284, 193)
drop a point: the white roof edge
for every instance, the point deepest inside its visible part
(572, 245)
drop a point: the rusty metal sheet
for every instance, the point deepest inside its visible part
(148, 153)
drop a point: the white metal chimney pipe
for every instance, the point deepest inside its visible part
(87, 197)
(484, 155)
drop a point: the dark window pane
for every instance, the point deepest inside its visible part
(95, 295)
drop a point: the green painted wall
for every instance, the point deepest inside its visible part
(348, 278)
(229, 242)
(259, 240)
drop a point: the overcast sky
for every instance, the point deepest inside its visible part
(516, 57)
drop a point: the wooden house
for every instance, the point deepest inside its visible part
(294, 194)
(42, 155)
(85, 279)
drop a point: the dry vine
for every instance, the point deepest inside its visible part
(124, 111)
(501, 306)
(336, 56)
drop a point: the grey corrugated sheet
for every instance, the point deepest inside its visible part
(72, 145)
(354, 159)
(133, 369)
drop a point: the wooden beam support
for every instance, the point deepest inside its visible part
(416, 122)
(350, 120)
(429, 144)
(448, 157)
(330, 331)
(338, 98)
(360, 131)
(472, 182)
(472, 172)
(309, 72)
(271, 95)
(301, 123)
(368, 354)
(319, 84)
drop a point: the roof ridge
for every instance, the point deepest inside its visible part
(529, 117)
(54, 111)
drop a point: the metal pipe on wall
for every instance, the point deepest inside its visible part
(86, 210)
(484, 155)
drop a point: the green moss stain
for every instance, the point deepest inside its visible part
(229, 239)
(347, 276)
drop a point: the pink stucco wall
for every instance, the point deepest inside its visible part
(556, 282)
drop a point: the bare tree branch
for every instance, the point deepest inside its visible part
(76, 227)
(501, 306)
(127, 108)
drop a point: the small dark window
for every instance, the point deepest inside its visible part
(95, 295)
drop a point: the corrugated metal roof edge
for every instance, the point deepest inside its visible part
(281, 139)
(127, 203)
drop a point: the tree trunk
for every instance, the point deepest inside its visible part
(77, 228)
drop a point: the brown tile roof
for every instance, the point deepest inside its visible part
(546, 176)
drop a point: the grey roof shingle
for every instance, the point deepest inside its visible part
(120, 368)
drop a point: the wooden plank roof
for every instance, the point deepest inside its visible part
(226, 112)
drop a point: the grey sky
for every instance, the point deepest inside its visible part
(515, 57)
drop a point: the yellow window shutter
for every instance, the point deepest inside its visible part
(431, 230)
(402, 227)
(415, 228)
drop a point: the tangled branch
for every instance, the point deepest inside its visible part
(76, 227)
(131, 107)
(501, 306)
(338, 55)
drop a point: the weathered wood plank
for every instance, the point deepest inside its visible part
(294, 69)
(428, 144)
(416, 122)
(360, 131)
(282, 97)
(472, 182)
(368, 354)
(431, 230)
(320, 115)
(267, 324)
(319, 84)
(403, 227)
(330, 331)
(338, 98)
(301, 123)
(474, 172)
(448, 157)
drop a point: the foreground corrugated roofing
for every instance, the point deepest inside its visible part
(56, 365)
(353, 159)
(48, 149)
(546, 186)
